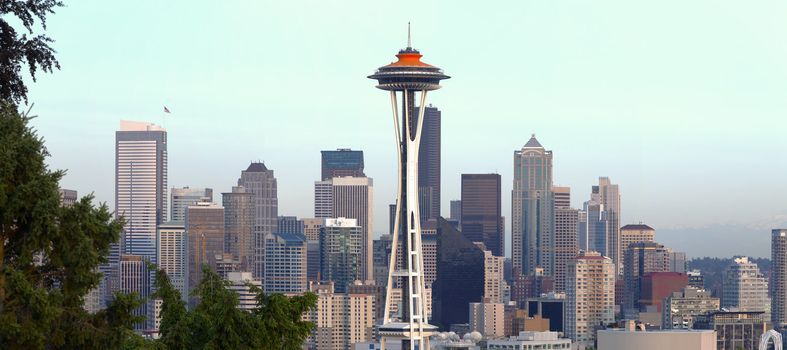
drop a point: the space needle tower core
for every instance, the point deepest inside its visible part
(408, 78)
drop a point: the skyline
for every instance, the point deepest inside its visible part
(641, 170)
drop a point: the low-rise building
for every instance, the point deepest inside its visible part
(681, 308)
(530, 340)
(633, 337)
(734, 330)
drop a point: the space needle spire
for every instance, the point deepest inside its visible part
(409, 78)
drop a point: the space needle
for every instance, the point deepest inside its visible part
(409, 78)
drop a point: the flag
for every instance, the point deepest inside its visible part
(166, 110)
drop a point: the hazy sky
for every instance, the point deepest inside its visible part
(682, 103)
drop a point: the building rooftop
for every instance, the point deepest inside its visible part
(533, 143)
(641, 227)
(257, 167)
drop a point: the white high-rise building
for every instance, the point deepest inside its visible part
(140, 185)
(487, 318)
(239, 283)
(172, 255)
(352, 198)
(493, 277)
(745, 288)
(285, 263)
(590, 296)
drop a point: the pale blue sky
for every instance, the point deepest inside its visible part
(682, 103)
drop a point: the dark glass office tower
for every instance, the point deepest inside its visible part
(429, 164)
(342, 162)
(460, 276)
(481, 211)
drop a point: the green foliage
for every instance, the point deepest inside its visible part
(17, 50)
(49, 253)
(217, 323)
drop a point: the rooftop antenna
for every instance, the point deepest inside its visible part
(409, 44)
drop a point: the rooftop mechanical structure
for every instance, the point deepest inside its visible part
(408, 77)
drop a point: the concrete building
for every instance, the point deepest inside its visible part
(261, 182)
(488, 318)
(654, 288)
(182, 197)
(566, 234)
(627, 339)
(590, 296)
(778, 282)
(481, 216)
(226, 263)
(341, 320)
(205, 238)
(341, 162)
(239, 219)
(285, 263)
(349, 197)
(696, 279)
(395, 302)
(172, 255)
(311, 228)
(239, 283)
(734, 330)
(289, 224)
(744, 287)
(532, 243)
(456, 211)
(682, 308)
(341, 242)
(530, 340)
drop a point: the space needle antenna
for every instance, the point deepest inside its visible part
(409, 42)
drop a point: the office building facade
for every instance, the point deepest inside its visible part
(566, 233)
(341, 162)
(182, 197)
(239, 211)
(205, 237)
(481, 211)
(285, 263)
(341, 242)
(745, 288)
(778, 281)
(172, 255)
(261, 182)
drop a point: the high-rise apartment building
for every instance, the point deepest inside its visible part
(745, 288)
(349, 197)
(493, 277)
(182, 197)
(205, 239)
(311, 228)
(285, 263)
(429, 164)
(341, 242)
(172, 255)
(239, 211)
(641, 258)
(261, 182)
(481, 211)
(590, 296)
(140, 185)
(342, 162)
(340, 319)
(531, 211)
(778, 283)
(566, 233)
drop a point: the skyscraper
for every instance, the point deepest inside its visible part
(429, 163)
(590, 296)
(778, 283)
(349, 197)
(342, 162)
(285, 263)
(205, 238)
(641, 258)
(745, 288)
(183, 197)
(289, 224)
(341, 242)
(533, 241)
(173, 255)
(635, 233)
(460, 276)
(239, 211)
(260, 181)
(609, 196)
(456, 211)
(135, 278)
(140, 185)
(481, 211)
(566, 231)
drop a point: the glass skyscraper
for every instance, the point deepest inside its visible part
(342, 162)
